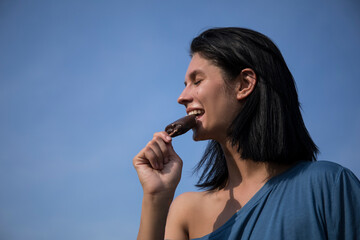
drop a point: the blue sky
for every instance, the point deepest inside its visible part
(85, 84)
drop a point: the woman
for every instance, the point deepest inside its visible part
(260, 176)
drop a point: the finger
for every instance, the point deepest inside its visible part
(151, 157)
(163, 135)
(170, 154)
(157, 145)
(155, 151)
(159, 148)
(164, 148)
(163, 140)
(170, 150)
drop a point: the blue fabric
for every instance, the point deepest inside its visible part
(312, 200)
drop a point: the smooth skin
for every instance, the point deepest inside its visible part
(159, 170)
(195, 214)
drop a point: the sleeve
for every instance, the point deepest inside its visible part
(344, 222)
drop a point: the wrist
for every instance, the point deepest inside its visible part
(154, 212)
(161, 198)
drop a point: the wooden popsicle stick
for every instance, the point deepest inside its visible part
(173, 132)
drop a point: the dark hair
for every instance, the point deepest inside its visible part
(269, 128)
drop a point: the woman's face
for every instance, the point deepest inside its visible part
(207, 95)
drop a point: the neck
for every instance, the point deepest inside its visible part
(246, 171)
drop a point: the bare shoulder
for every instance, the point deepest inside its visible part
(188, 199)
(184, 204)
(189, 203)
(182, 208)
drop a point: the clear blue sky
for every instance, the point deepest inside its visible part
(85, 84)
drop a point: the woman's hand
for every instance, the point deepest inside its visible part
(158, 166)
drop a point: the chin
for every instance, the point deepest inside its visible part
(199, 137)
(196, 139)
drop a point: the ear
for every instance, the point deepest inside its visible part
(246, 83)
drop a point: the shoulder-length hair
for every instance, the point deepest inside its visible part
(269, 128)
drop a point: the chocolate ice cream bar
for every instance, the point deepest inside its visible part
(181, 125)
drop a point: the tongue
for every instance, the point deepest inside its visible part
(181, 125)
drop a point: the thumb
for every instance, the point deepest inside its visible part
(171, 154)
(171, 151)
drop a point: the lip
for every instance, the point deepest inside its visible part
(189, 110)
(198, 117)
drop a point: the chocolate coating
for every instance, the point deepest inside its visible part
(181, 125)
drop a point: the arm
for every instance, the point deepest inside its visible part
(159, 170)
(153, 216)
(180, 212)
(344, 208)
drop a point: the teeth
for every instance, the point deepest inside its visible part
(195, 112)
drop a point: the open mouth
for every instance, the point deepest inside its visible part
(196, 112)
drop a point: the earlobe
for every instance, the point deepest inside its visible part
(247, 81)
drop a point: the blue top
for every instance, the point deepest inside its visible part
(312, 200)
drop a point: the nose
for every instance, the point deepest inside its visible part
(185, 97)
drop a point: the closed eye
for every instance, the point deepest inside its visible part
(197, 82)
